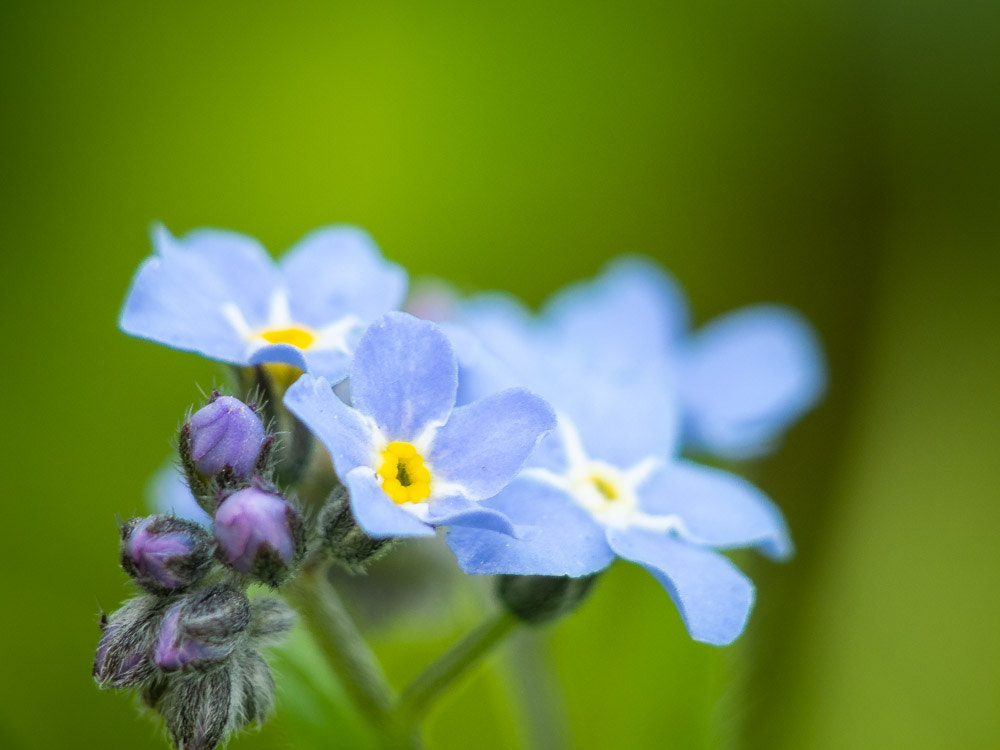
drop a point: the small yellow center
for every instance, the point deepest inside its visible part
(405, 479)
(605, 487)
(301, 337)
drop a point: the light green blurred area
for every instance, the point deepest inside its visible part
(841, 157)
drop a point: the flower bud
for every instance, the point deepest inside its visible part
(225, 434)
(201, 711)
(122, 658)
(202, 629)
(257, 686)
(270, 620)
(164, 554)
(260, 534)
(343, 537)
(538, 599)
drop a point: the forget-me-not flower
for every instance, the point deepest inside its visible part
(220, 294)
(410, 460)
(609, 481)
(741, 380)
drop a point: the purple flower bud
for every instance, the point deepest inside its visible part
(259, 533)
(165, 554)
(202, 629)
(128, 634)
(225, 433)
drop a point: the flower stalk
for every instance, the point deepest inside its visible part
(452, 666)
(345, 649)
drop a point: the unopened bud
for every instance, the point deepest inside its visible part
(202, 629)
(226, 434)
(257, 686)
(260, 534)
(538, 599)
(165, 554)
(343, 537)
(122, 658)
(270, 620)
(201, 711)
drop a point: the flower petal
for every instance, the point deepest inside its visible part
(338, 271)
(568, 542)
(621, 418)
(404, 375)
(506, 330)
(178, 296)
(481, 372)
(456, 510)
(747, 376)
(712, 595)
(243, 269)
(718, 508)
(632, 309)
(344, 432)
(332, 365)
(376, 514)
(285, 354)
(483, 445)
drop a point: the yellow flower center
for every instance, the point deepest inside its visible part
(606, 487)
(299, 336)
(405, 479)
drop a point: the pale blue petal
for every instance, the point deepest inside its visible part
(748, 376)
(338, 271)
(718, 508)
(459, 511)
(285, 354)
(550, 453)
(167, 492)
(621, 419)
(332, 364)
(404, 375)
(712, 595)
(506, 330)
(376, 514)
(345, 433)
(568, 542)
(483, 445)
(633, 310)
(238, 265)
(177, 299)
(481, 372)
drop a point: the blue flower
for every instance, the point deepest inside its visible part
(740, 381)
(609, 481)
(220, 294)
(410, 460)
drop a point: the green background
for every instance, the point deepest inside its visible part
(838, 156)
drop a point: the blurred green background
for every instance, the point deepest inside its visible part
(839, 156)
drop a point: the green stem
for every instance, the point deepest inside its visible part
(452, 665)
(346, 651)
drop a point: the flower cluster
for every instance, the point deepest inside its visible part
(190, 642)
(632, 389)
(546, 445)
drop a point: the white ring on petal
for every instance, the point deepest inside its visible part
(623, 510)
(333, 336)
